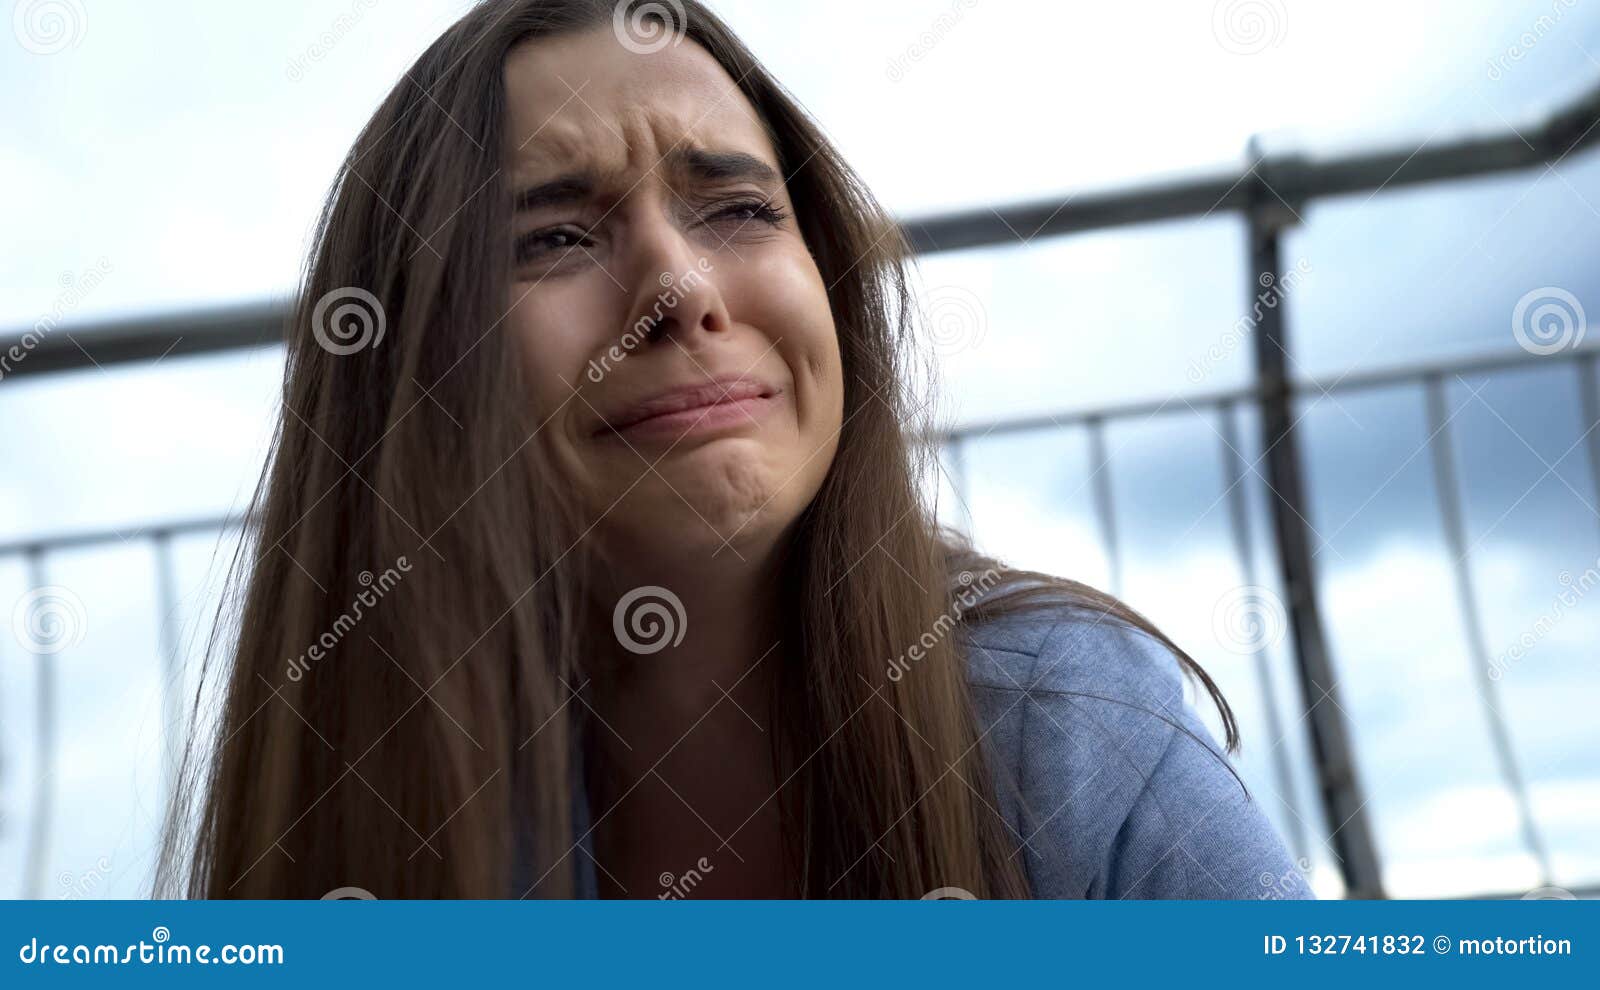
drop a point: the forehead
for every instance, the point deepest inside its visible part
(583, 100)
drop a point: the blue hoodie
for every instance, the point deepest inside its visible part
(1111, 785)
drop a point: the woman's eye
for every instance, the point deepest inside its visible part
(752, 210)
(553, 239)
(553, 243)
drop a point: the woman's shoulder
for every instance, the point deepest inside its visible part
(1062, 647)
(1113, 785)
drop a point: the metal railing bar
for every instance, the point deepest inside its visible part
(1390, 375)
(1018, 224)
(1447, 489)
(1338, 779)
(1104, 506)
(1407, 373)
(1589, 404)
(90, 537)
(978, 429)
(1295, 178)
(1399, 374)
(44, 755)
(145, 338)
(1233, 472)
(171, 664)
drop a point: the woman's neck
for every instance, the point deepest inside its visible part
(684, 736)
(687, 633)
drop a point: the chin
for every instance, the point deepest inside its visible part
(720, 498)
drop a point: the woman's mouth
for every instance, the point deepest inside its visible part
(717, 405)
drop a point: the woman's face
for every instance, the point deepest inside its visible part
(682, 353)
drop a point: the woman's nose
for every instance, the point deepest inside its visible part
(674, 289)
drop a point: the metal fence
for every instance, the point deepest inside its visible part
(1269, 195)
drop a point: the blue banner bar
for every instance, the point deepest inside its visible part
(1048, 944)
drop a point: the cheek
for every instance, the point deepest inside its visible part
(549, 330)
(786, 298)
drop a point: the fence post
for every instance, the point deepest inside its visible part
(45, 753)
(1337, 782)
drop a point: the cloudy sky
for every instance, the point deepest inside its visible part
(172, 155)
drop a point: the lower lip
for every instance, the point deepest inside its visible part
(702, 419)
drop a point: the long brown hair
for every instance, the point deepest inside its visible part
(413, 596)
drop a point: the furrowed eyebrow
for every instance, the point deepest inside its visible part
(716, 166)
(700, 163)
(571, 188)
